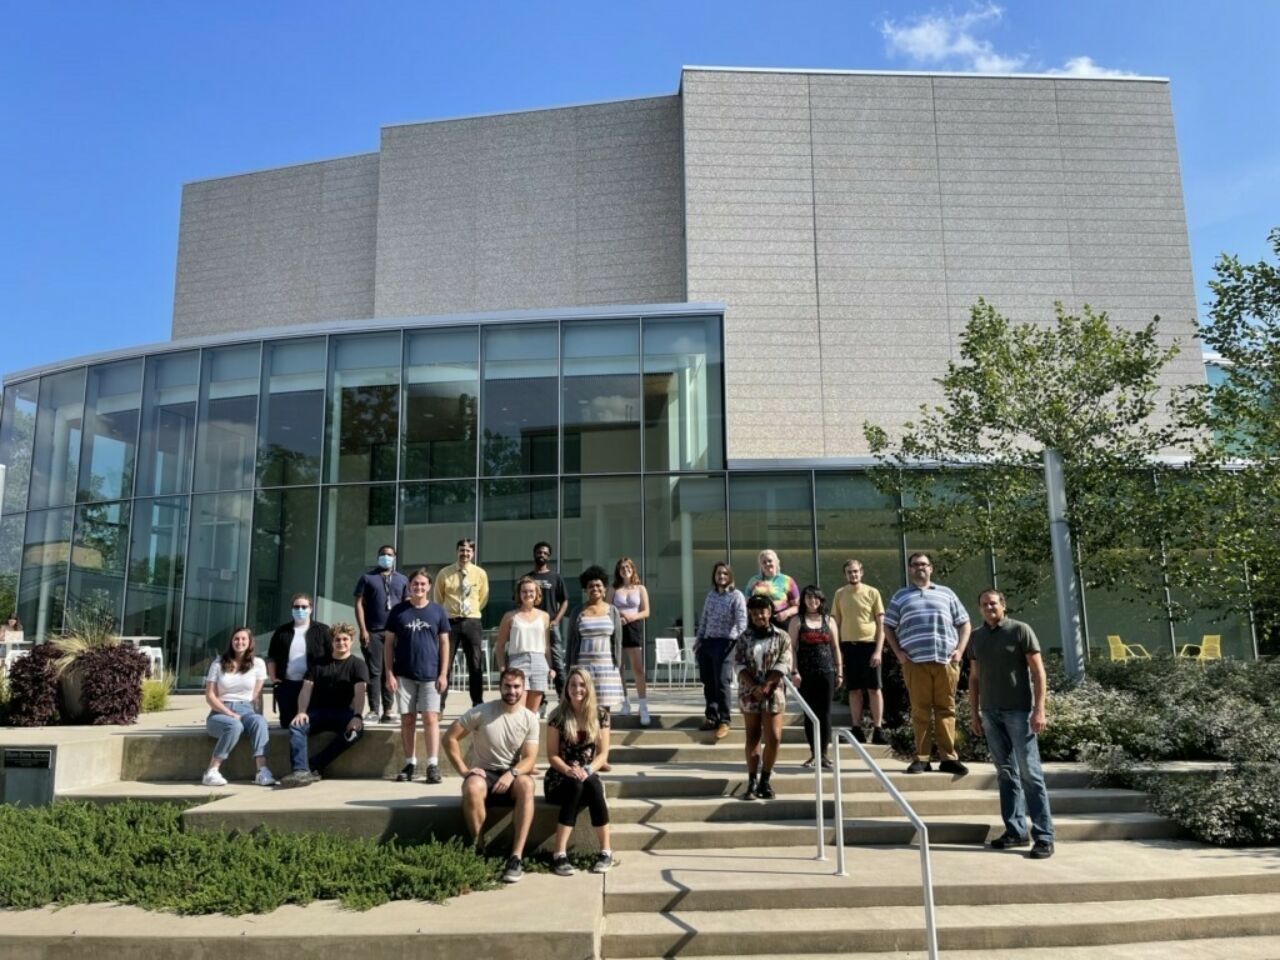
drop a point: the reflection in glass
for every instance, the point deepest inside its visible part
(43, 585)
(433, 518)
(291, 427)
(10, 562)
(217, 576)
(354, 522)
(683, 394)
(361, 435)
(98, 551)
(226, 433)
(167, 441)
(601, 406)
(514, 515)
(157, 558)
(110, 431)
(773, 511)
(685, 530)
(57, 445)
(283, 558)
(856, 521)
(600, 523)
(17, 432)
(521, 405)
(442, 386)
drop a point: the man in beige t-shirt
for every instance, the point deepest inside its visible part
(858, 611)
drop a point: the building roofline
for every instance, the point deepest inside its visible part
(284, 166)
(338, 327)
(916, 73)
(524, 110)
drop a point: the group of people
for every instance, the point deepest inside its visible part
(406, 627)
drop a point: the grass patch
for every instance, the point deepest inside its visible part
(155, 693)
(138, 853)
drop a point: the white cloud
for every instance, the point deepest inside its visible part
(1085, 67)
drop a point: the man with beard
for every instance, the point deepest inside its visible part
(499, 764)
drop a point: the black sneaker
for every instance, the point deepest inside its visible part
(708, 724)
(751, 789)
(299, 778)
(1042, 850)
(386, 718)
(433, 774)
(765, 790)
(406, 775)
(1007, 841)
(561, 867)
(878, 737)
(953, 766)
(919, 766)
(514, 871)
(859, 735)
(603, 863)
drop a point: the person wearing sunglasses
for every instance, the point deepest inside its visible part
(295, 646)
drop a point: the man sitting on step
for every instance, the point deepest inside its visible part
(499, 764)
(332, 698)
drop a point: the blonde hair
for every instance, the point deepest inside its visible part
(572, 725)
(537, 590)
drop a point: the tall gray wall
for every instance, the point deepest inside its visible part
(850, 221)
(570, 207)
(284, 246)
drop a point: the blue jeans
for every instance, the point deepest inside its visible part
(321, 720)
(1017, 758)
(228, 729)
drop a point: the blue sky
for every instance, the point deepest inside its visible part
(107, 108)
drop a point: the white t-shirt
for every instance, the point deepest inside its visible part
(296, 668)
(236, 687)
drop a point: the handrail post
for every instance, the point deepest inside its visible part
(817, 768)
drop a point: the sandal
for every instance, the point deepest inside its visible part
(808, 764)
(826, 763)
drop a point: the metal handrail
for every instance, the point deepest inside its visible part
(817, 774)
(926, 867)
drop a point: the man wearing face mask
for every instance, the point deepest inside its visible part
(295, 646)
(377, 591)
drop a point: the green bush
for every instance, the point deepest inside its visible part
(1237, 807)
(137, 853)
(155, 694)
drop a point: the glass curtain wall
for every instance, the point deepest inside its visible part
(514, 515)
(226, 431)
(773, 511)
(10, 562)
(600, 523)
(855, 521)
(601, 396)
(99, 549)
(46, 550)
(291, 422)
(157, 561)
(433, 518)
(363, 429)
(56, 456)
(685, 531)
(683, 395)
(283, 555)
(442, 400)
(110, 439)
(17, 434)
(166, 445)
(355, 521)
(216, 581)
(520, 406)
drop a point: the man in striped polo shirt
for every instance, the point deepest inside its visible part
(928, 629)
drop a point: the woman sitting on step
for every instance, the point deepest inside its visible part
(233, 690)
(577, 745)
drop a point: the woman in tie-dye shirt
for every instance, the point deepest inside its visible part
(781, 590)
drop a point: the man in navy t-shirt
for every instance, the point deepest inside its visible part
(417, 671)
(377, 591)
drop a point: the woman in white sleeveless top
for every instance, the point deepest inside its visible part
(524, 641)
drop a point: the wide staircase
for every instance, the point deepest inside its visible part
(704, 872)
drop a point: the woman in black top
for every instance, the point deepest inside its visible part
(815, 651)
(577, 746)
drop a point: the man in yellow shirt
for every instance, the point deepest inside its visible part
(859, 614)
(462, 588)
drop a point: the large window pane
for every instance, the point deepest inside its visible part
(167, 441)
(10, 562)
(216, 581)
(1135, 613)
(600, 523)
(226, 435)
(17, 432)
(521, 403)
(157, 559)
(99, 549)
(110, 431)
(685, 530)
(857, 522)
(772, 511)
(284, 552)
(57, 446)
(601, 396)
(514, 515)
(442, 388)
(354, 522)
(291, 427)
(683, 394)
(362, 433)
(433, 518)
(43, 594)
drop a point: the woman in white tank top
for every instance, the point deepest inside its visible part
(524, 641)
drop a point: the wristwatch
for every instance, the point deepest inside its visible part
(514, 772)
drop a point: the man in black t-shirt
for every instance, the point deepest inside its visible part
(332, 698)
(555, 601)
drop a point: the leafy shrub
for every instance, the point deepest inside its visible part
(33, 688)
(112, 691)
(155, 694)
(1235, 807)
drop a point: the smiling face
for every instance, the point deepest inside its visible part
(419, 587)
(466, 553)
(595, 591)
(528, 595)
(512, 690)
(992, 606)
(577, 688)
(241, 640)
(759, 617)
(626, 571)
(341, 646)
(768, 564)
(722, 577)
(812, 602)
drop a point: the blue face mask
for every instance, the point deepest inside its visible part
(386, 562)
(301, 614)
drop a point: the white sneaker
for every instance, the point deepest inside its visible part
(644, 714)
(212, 778)
(626, 709)
(264, 777)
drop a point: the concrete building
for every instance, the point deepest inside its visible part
(651, 327)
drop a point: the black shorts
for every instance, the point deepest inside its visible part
(491, 777)
(858, 672)
(632, 635)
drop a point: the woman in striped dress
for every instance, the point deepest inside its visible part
(595, 639)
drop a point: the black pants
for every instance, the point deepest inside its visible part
(381, 700)
(323, 719)
(573, 795)
(286, 699)
(816, 686)
(466, 634)
(557, 662)
(713, 671)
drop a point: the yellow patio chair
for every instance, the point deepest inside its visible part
(1209, 648)
(1126, 651)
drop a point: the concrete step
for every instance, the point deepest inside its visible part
(1005, 926)
(692, 736)
(644, 752)
(1210, 948)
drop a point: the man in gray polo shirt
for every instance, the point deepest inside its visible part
(928, 629)
(1007, 680)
